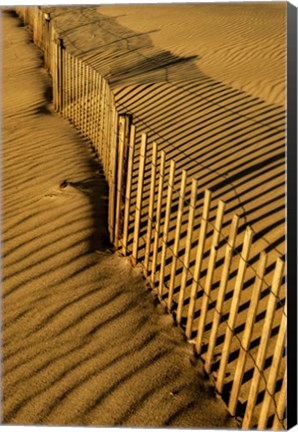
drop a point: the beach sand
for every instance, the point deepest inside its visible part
(84, 342)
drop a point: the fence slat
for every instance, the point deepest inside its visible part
(102, 119)
(209, 277)
(63, 79)
(67, 85)
(190, 224)
(72, 87)
(86, 100)
(281, 404)
(177, 238)
(271, 382)
(166, 227)
(150, 209)
(128, 188)
(120, 168)
(158, 216)
(262, 351)
(60, 74)
(234, 308)
(136, 239)
(221, 292)
(113, 182)
(198, 263)
(246, 338)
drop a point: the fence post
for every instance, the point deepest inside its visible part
(221, 292)
(246, 338)
(209, 277)
(234, 308)
(190, 224)
(122, 150)
(262, 351)
(151, 209)
(158, 217)
(177, 238)
(136, 239)
(271, 382)
(198, 264)
(166, 228)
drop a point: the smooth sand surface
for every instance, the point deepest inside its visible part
(83, 343)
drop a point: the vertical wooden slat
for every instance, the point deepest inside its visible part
(246, 338)
(198, 262)
(151, 208)
(113, 181)
(86, 102)
(190, 224)
(177, 238)
(122, 148)
(76, 91)
(73, 88)
(262, 351)
(60, 75)
(102, 119)
(67, 86)
(279, 422)
(130, 157)
(135, 248)
(221, 292)
(94, 87)
(97, 114)
(166, 228)
(83, 98)
(273, 373)
(158, 217)
(234, 308)
(209, 277)
(63, 82)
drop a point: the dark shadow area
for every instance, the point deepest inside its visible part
(96, 188)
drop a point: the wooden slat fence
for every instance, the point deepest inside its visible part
(228, 297)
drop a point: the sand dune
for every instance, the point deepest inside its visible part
(70, 307)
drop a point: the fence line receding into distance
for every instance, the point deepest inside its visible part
(226, 295)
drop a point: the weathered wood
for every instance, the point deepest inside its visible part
(221, 292)
(75, 118)
(273, 373)
(67, 85)
(150, 209)
(113, 182)
(234, 309)
(120, 149)
(166, 228)
(130, 158)
(209, 277)
(198, 262)
(98, 116)
(158, 217)
(262, 351)
(248, 330)
(135, 248)
(177, 238)
(190, 225)
(60, 75)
